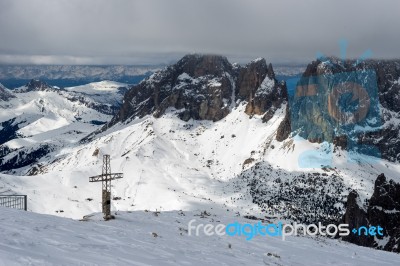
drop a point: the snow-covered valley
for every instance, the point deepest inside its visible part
(39, 120)
(185, 144)
(169, 164)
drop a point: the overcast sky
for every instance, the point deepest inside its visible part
(160, 31)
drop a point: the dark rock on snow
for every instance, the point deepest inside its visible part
(313, 115)
(204, 87)
(383, 210)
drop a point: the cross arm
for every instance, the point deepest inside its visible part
(99, 178)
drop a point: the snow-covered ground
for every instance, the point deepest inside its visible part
(146, 238)
(58, 118)
(167, 163)
(170, 165)
(105, 92)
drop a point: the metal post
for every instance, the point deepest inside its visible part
(106, 197)
(25, 202)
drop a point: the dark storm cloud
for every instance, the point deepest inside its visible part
(151, 31)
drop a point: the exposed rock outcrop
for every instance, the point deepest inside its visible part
(205, 87)
(35, 85)
(257, 85)
(295, 196)
(284, 128)
(317, 115)
(200, 86)
(356, 216)
(383, 210)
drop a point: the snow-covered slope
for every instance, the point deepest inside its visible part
(105, 92)
(149, 238)
(169, 164)
(231, 161)
(39, 119)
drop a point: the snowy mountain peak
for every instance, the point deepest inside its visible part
(203, 87)
(197, 65)
(36, 85)
(38, 120)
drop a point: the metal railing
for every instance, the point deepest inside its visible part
(14, 201)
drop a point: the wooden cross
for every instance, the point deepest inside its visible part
(106, 178)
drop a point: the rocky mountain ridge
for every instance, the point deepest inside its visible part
(313, 118)
(383, 209)
(204, 87)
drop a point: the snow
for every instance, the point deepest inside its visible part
(44, 124)
(168, 165)
(144, 238)
(47, 103)
(55, 117)
(257, 60)
(266, 86)
(105, 86)
(186, 79)
(386, 211)
(165, 165)
(215, 83)
(184, 76)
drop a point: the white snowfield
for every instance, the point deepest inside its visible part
(169, 165)
(146, 238)
(55, 117)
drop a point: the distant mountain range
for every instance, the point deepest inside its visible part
(14, 76)
(72, 75)
(37, 119)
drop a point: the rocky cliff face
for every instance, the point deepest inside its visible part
(257, 85)
(200, 86)
(284, 128)
(383, 209)
(319, 108)
(205, 87)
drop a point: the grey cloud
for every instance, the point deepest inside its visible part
(151, 31)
